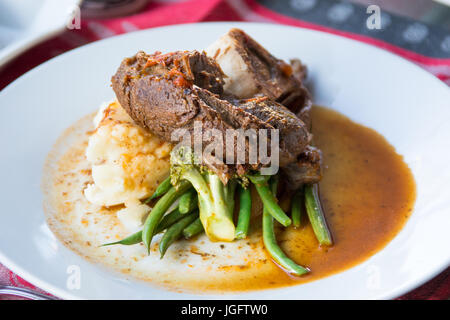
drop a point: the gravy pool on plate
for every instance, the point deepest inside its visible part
(367, 192)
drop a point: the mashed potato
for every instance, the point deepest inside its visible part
(128, 163)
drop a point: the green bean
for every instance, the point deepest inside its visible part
(229, 192)
(269, 200)
(159, 209)
(272, 247)
(297, 207)
(172, 217)
(175, 231)
(193, 229)
(187, 200)
(130, 240)
(168, 220)
(273, 183)
(257, 178)
(245, 211)
(316, 216)
(165, 223)
(275, 251)
(162, 188)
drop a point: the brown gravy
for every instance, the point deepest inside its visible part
(367, 192)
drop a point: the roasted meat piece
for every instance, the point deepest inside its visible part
(167, 92)
(157, 90)
(251, 70)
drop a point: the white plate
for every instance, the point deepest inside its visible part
(409, 106)
(24, 23)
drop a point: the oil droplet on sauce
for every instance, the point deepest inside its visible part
(367, 193)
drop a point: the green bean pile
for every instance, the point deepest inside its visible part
(184, 220)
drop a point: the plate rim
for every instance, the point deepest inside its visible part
(44, 285)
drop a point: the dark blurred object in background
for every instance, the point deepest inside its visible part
(428, 11)
(409, 27)
(101, 9)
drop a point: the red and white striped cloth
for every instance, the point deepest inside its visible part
(168, 12)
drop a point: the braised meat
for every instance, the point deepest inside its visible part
(157, 90)
(251, 70)
(167, 92)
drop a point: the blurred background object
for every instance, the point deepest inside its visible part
(446, 2)
(411, 28)
(111, 8)
(24, 23)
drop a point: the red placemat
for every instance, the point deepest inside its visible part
(433, 55)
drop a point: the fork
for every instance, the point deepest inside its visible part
(24, 293)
